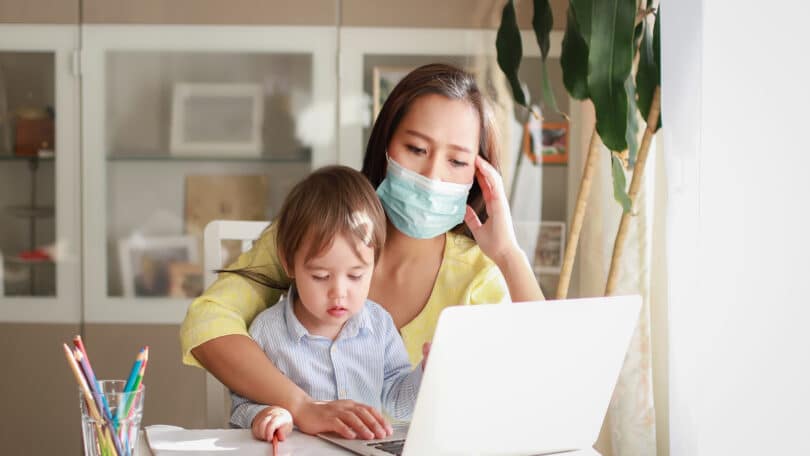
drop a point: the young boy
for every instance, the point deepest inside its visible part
(325, 335)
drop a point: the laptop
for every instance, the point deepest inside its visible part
(522, 378)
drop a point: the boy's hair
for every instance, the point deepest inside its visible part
(331, 201)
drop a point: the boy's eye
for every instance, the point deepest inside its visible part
(416, 150)
(355, 276)
(320, 277)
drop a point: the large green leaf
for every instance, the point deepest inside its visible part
(574, 58)
(620, 184)
(542, 22)
(609, 63)
(510, 50)
(632, 121)
(582, 10)
(649, 66)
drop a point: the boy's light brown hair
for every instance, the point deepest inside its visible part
(332, 201)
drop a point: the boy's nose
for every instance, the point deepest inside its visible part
(338, 290)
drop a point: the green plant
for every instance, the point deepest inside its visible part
(611, 56)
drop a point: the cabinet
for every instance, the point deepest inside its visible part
(138, 166)
(39, 195)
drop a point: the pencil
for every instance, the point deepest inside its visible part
(133, 374)
(91, 376)
(92, 407)
(137, 383)
(275, 444)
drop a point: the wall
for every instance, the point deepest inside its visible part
(739, 357)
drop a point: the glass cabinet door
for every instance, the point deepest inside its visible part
(184, 125)
(39, 226)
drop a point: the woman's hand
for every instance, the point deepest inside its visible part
(272, 420)
(348, 418)
(496, 236)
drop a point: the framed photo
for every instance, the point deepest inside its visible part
(383, 82)
(555, 143)
(550, 248)
(147, 263)
(217, 119)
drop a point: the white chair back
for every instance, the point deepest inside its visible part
(2, 278)
(217, 398)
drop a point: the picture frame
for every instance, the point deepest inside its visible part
(384, 79)
(146, 262)
(550, 247)
(555, 143)
(217, 119)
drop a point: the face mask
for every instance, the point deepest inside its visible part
(421, 208)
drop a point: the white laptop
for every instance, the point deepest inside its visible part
(515, 379)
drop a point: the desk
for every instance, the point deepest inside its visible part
(297, 444)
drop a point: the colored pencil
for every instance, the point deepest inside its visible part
(133, 374)
(92, 407)
(137, 384)
(136, 367)
(275, 444)
(91, 376)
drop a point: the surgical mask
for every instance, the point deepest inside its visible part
(419, 207)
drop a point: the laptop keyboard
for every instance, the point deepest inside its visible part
(390, 446)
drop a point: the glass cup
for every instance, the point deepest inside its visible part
(117, 435)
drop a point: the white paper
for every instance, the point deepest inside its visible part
(166, 440)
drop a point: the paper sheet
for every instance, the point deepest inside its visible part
(166, 440)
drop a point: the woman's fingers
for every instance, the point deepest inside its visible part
(372, 418)
(343, 429)
(472, 220)
(489, 179)
(358, 426)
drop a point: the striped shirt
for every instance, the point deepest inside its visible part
(367, 362)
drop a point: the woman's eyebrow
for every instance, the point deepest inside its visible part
(430, 140)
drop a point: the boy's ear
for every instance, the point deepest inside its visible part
(282, 258)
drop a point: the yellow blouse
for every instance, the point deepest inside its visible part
(466, 276)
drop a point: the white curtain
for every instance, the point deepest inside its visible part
(630, 425)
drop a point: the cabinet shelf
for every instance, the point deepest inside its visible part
(24, 158)
(303, 158)
(29, 212)
(27, 262)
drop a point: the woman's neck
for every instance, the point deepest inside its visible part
(404, 249)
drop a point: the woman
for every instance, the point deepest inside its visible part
(433, 143)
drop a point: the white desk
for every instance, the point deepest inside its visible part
(190, 442)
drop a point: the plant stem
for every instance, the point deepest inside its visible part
(579, 216)
(635, 185)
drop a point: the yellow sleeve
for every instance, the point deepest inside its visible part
(232, 301)
(489, 287)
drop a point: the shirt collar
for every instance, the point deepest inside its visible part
(358, 322)
(351, 328)
(294, 327)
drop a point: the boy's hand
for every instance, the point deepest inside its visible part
(272, 420)
(425, 353)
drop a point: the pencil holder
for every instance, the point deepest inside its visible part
(116, 434)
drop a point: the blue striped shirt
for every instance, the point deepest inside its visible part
(367, 362)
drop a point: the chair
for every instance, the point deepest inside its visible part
(217, 398)
(2, 278)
